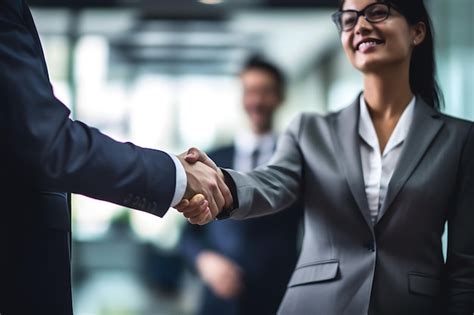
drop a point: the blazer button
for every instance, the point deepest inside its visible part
(370, 245)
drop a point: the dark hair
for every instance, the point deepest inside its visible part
(258, 63)
(422, 66)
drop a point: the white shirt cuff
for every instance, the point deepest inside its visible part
(181, 181)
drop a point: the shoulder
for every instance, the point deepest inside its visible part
(451, 122)
(456, 122)
(316, 120)
(313, 116)
(463, 131)
(456, 131)
(12, 10)
(350, 111)
(460, 128)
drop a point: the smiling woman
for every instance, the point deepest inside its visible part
(403, 29)
(379, 180)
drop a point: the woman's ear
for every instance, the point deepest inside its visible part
(418, 33)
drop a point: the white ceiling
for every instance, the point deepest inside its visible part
(292, 38)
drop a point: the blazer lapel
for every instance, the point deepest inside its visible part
(424, 128)
(347, 144)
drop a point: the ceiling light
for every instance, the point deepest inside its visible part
(211, 1)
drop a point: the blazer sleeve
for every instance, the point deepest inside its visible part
(460, 258)
(58, 153)
(274, 187)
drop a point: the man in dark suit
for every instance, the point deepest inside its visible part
(246, 265)
(45, 154)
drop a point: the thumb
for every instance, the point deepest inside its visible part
(194, 155)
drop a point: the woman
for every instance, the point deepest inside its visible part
(379, 179)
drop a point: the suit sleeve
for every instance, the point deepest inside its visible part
(274, 187)
(460, 260)
(58, 153)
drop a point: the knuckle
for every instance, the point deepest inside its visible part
(213, 186)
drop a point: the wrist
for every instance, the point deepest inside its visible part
(227, 212)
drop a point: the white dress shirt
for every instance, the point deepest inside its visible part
(247, 143)
(181, 181)
(378, 166)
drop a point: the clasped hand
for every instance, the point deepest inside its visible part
(206, 192)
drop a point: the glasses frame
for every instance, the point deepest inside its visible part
(336, 16)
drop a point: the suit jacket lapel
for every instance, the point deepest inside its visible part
(347, 144)
(424, 128)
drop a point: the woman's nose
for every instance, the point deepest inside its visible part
(362, 26)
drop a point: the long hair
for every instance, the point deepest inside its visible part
(422, 65)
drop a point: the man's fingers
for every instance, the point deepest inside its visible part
(196, 201)
(192, 212)
(185, 204)
(198, 211)
(195, 206)
(182, 205)
(201, 219)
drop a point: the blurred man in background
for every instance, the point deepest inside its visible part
(246, 265)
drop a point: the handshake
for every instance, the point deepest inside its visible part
(206, 192)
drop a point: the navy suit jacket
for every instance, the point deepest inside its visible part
(45, 154)
(265, 248)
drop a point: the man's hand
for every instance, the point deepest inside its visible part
(199, 213)
(206, 187)
(195, 155)
(223, 276)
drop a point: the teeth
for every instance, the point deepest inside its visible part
(365, 45)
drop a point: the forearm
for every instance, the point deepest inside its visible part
(263, 192)
(87, 162)
(274, 187)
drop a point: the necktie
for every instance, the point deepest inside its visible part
(254, 158)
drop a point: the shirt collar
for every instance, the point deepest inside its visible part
(247, 142)
(399, 134)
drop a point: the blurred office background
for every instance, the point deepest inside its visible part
(162, 74)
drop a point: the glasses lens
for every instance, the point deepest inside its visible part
(348, 20)
(377, 12)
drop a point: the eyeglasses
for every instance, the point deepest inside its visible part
(373, 13)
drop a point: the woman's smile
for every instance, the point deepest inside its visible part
(368, 44)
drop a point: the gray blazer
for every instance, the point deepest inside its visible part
(348, 265)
